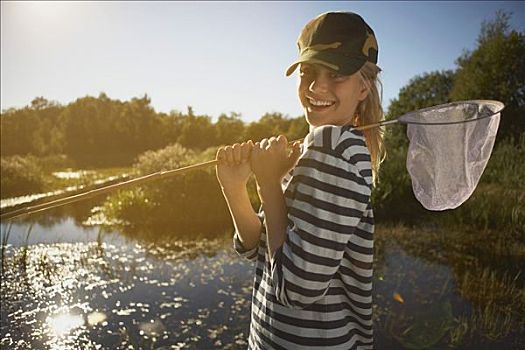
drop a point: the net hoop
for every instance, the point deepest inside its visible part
(446, 163)
(497, 108)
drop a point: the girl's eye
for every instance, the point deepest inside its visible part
(337, 77)
(304, 71)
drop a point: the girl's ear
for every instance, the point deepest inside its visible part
(365, 89)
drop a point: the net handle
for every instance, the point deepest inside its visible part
(375, 125)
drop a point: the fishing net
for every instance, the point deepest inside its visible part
(449, 148)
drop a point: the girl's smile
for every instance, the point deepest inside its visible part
(319, 104)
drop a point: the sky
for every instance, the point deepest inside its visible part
(217, 57)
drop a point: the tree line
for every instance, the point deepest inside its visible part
(103, 131)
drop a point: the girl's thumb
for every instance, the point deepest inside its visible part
(296, 152)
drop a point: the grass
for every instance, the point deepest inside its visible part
(488, 276)
(481, 213)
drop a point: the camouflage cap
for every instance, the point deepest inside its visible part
(341, 41)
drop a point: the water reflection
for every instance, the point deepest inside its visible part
(117, 296)
(73, 174)
(61, 324)
(96, 318)
(65, 230)
(182, 294)
(98, 292)
(412, 301)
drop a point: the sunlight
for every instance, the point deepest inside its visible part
(42, 10)
(37, 23)
(70, 174)
(62, 324)
(95, 318)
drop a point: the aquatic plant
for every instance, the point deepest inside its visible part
(23, 255)
(5, 239)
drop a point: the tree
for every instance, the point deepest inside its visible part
(495, 70)
(140, 125)
(197, 131)
(297, 129)
(270, 124)
(40, 102)
(230, 129)
(426, 90)
(33, 129)
(170, 126)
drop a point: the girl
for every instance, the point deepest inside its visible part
(313, 237)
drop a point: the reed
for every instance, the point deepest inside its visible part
(484, 287)
(25, 248)
(5, 239)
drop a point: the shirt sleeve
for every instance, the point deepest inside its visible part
(250, 254)
(328, 202)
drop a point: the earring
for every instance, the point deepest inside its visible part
(356, 120)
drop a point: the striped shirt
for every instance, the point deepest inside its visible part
(317, 292)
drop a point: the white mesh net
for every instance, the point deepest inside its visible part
(445, 162)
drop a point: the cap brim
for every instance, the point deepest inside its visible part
(293, 67)
(339, 63)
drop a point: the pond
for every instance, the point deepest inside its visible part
(67, 286)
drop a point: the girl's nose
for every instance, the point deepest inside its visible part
(319, 84)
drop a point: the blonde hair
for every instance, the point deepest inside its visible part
(370, 111)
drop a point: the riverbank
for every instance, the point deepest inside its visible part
(486, 271)
(64, 182)
(32, 177)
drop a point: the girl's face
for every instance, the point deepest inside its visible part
(329, 98)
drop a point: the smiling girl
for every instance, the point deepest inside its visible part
(312, 240)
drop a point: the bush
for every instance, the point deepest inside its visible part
(20, 175)
(499, 200)
(53, 162)
(171, 157)
(392, 197)
(188, 205)
(506, 165)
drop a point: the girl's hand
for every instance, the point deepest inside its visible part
(271, 160)
(233, 166)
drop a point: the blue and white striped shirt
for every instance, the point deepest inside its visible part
(317, 293)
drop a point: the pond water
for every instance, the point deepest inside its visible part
(101, 295)
(66, 286)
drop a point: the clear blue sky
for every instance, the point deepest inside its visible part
(217, 57)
